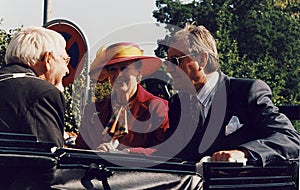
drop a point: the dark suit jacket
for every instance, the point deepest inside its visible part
(147, 122)
(266, 133)
(30, 105)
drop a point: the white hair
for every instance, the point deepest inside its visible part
(30, 44)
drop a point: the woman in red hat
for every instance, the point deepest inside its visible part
(131, 119)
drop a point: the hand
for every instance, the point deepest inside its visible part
(105, 147)
(140, 150)
(229, 155)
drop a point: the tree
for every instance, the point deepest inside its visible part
(255, 39)
(5, 38)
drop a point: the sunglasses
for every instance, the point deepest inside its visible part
(176, 60)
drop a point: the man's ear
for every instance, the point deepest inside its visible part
(202, 59)
(46, 60)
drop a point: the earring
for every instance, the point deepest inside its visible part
(139, 78)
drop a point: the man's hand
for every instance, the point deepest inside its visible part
(229, 155)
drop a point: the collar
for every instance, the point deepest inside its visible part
(208, 89)
(17, 67)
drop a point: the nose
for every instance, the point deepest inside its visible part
(67, 71)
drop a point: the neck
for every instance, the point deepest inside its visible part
(202, 81)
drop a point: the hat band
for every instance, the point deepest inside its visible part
(124, 51)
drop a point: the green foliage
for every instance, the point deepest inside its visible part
(100, 90)
(70, 121)
(5, 38)
(75, 95)
(297, 125)
(255, 39)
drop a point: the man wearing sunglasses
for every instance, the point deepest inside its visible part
(235, 118)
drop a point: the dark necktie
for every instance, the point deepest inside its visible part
(202, 113)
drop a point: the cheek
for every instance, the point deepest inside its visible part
(112, 78)
(132, 80)
(62, 69)
(170, 68)
(185, 69)
(193, 69)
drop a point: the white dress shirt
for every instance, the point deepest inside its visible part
(207, 92)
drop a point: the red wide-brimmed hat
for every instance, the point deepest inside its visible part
(121, 52)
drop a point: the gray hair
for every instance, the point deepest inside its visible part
(199, 39)
(30, 44)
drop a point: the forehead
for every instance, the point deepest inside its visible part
(177, 48)
(124, 64)
(62, 51)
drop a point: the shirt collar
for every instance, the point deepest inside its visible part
(207, 89)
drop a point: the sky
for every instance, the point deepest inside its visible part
(103, 22)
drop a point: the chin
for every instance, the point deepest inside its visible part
(120, 86)
(121, 89)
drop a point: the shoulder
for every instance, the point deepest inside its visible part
(156, 101)
(36, 90)
(42, 88)
(144, 96)
(153, 103)
(159, 104)
(246, 83)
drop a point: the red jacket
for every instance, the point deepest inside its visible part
(147, 122)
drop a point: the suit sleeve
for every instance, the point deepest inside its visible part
(82, 136)
(278, 139)
(46, 117)
(90, 131)
(86, 136)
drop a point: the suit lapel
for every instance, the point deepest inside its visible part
(213, 124)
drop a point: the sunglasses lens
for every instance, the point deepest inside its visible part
(174, 61)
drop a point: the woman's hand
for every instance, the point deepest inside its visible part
(106, 147)
(140, 150)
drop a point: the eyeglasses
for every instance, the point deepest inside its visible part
(176, 60)
(66, 59)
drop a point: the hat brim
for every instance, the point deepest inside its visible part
(149, 65)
